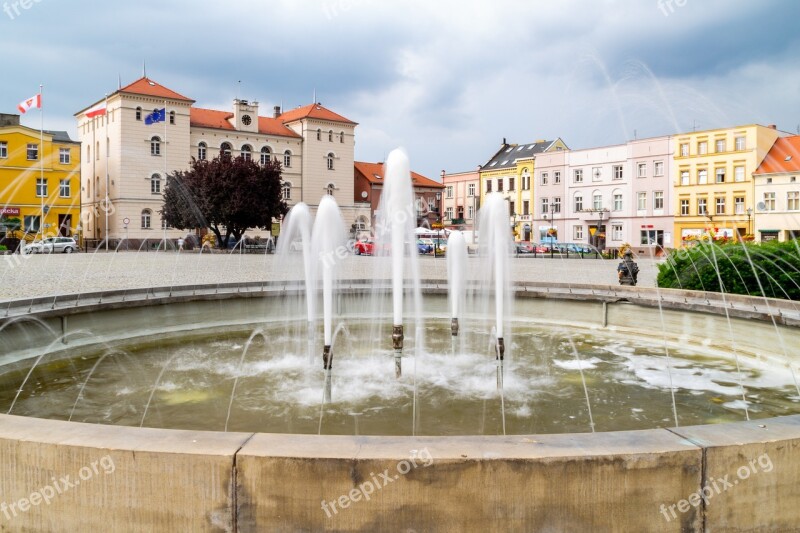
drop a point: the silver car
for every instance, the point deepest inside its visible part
(50, 245)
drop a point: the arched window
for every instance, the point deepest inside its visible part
(202, 151)
(155, 145)
(330, 157)
(97, 151)
(361, 223)
(172, 117)
(146, 216)
(265, 155)
(155, 184)
(88, 152)
(330, 136)
(287, 158)
(247, 152)
(138, 113)
(319, 134)
(330, 188)
(341, 137)
(286, 190)
(225, 149)
(597, 201)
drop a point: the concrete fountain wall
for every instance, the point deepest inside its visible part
(174, 480)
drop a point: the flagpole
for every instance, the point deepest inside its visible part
(93, 155)
(41, 158)
(163, 220)
(106, 149)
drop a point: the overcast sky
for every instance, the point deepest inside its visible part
(446, 79)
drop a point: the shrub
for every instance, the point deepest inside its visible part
(770, 269)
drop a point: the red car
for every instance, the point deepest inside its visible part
(364, 248)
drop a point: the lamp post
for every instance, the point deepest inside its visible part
(749, 214)
(601, 211)
(550, 231)
(514, 225)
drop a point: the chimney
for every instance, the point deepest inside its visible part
(772, 127)
(9, 120)
(276, 111)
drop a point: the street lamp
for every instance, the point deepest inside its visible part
(514, 225)
(749, 214)
(600, 228)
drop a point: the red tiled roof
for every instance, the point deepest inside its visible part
(784, 156)
(148, 87)
(316, 111)
(220, 120)
(370, 170)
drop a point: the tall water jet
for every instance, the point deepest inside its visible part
(296, 235)
(456, 277)
(327, 245)
(496, 244)
(395, 236)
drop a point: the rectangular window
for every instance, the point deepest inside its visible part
(33, 152)
(470, 212)
(684, 208)
(769, 201)
(641, 201)
(597, 173)
(63, 156)
(685, 177)
(471, 189)
(31, 223)
(557, 204)
(557, 176)
(500, 184)
(526, 183)
(617, 172)
(702, 206)
(738, 173)
(41, 187)
(577, 175)
(658, 199)
(488, 185)
(702, 148)
(652, 237)
(578, 203)
(526, 207)
(511, 184)
(719, 146)
(738, 205)
(597, 201)
(449, 191)
(641, 170)
(793, 201)
(616, 232)
(659, 168)
(720, 173)
(64, 189)
(740, 143)
(702, 176)
(720, 205)
(3, 150)
(544, 178)
(448, 213)
(617, 202)
(545, 205)
(577, 233)
(684, 149)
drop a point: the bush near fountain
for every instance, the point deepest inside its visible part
(770, 269)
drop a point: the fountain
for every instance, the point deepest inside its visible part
(585, 378)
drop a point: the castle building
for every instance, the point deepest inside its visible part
(128, 155)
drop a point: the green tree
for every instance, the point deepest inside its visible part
(770, 269)
(226, 195)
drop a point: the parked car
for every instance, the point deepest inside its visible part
(366, 247)
(524, 247)
(50, 245)
(440, 250)
(424, 247)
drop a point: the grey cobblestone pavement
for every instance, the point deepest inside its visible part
(41, 275)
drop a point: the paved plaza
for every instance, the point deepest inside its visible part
(40, 275)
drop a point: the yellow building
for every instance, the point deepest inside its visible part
(713, 180)
(39, 185)
(510, 172)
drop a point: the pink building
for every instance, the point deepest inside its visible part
(651, 214)
(461, 199)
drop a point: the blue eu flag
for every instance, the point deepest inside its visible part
(159, 115)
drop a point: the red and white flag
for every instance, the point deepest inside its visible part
(30, 103)
(96, 111)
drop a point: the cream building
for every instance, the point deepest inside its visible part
(127, 160)
(776, 215)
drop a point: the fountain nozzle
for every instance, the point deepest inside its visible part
(501, 348)
(397, 343)
(327, 357)
(454, 327)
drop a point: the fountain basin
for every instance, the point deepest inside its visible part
(213, 481)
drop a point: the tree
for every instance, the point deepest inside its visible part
(224, 194)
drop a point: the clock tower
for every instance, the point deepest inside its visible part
(245, 116)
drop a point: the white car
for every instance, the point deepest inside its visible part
(49, 245)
